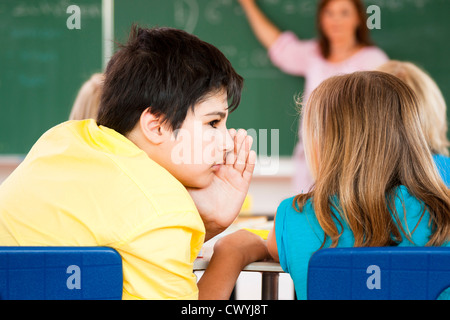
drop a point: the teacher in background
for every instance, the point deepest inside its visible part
(343, 45)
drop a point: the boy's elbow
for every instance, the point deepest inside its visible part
(273, 254)
(272, 246)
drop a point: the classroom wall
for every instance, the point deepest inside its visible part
(43, 64)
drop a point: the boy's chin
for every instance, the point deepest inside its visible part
(199, 183)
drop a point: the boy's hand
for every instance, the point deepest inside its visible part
(247, 246)
(231, 254)
(220, 203)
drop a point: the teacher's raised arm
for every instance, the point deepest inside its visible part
(266, 32)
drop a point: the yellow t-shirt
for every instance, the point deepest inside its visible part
(85, 185)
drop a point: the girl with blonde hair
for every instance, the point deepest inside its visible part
(87, 102)
(375, 180)
(432, 110)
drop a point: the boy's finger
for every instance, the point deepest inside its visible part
(232, 133)
(229, 157)
(250, 166)
(243, 153)
(239, 137)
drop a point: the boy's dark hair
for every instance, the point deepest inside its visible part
(166, 70)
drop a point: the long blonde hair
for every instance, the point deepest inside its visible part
(363, 139)
(433, 111)
(87, 102)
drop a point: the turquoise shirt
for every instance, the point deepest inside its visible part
(299, 235)
(443, 164)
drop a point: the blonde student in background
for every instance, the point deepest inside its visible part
(140, 178)
(88, 99)
(343, 45)
(433, 110)
(375, 180)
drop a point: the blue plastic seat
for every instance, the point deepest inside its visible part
(387, 273)
(60, 273)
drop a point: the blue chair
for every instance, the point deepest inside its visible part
(387, 273)
(60, 273)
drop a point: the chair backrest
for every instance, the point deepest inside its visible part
(387, 273)
(60, 273)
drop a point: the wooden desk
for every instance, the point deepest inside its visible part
(270, 271)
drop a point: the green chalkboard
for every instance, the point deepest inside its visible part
(42, 66)
(414, 30)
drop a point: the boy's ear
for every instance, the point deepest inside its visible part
(152, 127)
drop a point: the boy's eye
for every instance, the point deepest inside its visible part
(213, 123)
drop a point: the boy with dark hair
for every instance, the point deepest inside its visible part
(155, 176)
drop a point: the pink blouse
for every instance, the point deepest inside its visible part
(303, 58)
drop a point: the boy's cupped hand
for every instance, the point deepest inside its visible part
(220, 203)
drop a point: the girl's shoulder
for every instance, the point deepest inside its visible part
(290, 215)
(290, 205)
(443, 165)
(441, 159)
(290, 209)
